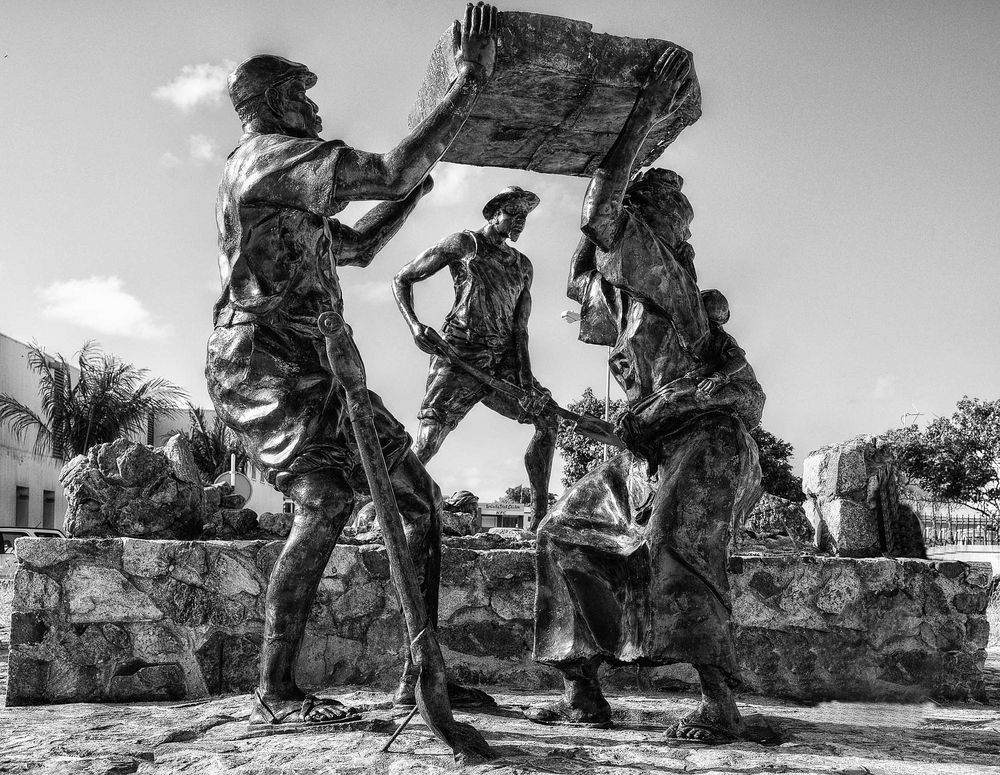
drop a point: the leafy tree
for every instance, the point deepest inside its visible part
(109, 399)
(778, 478)
(955, 458)
(212, 445)
(522, 494)
(581, 455)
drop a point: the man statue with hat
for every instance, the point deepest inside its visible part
(267, 368)
(487, 328)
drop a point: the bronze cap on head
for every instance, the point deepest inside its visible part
(525, 199)
(257, 74)
(716, 306)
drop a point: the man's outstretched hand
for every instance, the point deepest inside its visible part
(666, 82)
(474, 39)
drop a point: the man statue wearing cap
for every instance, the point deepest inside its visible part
(267, 370)
(488, 327)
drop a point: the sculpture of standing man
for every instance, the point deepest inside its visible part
(632, 560)
(487, 328)
(267, 370)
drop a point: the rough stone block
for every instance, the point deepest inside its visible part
(151, 682)
(558, 97)
(98, 594)
(128, 489)
(40, 553)
(35, 591)
(146, 559)
(178, 451)
(274, 524)
(853, 528)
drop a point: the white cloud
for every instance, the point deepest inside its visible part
(885, 386)
(456, 183)
(202, 149)
(197, 84)
(169, 160)
(368, 292)
(101, 304)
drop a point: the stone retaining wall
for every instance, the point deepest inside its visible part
(6, 601)
(128, 619)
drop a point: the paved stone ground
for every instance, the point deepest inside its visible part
(211, 738)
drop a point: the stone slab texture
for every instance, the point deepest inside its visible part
(852, 501)
(131, 619)
(558, 97)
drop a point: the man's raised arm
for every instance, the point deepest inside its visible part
(657, 100)
(394, 174)
(428, 263)
(358, 246)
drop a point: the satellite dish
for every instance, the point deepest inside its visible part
(240, 482)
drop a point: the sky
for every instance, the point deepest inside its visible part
(845, 177)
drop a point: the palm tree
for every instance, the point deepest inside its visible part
(109, 399)
(212, 445)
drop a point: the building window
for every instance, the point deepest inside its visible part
(58, 400)
(288, 506)
(48, 508)
(509, 520)
(21, 508)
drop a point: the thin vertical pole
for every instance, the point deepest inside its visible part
(607, 401)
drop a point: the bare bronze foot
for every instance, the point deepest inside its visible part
(298, 711)
(716, 721)
(561, 712)
(693, 730)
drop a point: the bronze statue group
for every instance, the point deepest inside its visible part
(631, 560)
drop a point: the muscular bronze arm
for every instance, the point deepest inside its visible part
(394, 174)
(430, 262)
(657, 100)
(521, 314)
(372, 232)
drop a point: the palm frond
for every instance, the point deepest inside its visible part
(20, 419)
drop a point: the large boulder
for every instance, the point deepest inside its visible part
(128, 489)
(461, 514)
(852, 498)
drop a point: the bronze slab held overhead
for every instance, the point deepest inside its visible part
(558, 96)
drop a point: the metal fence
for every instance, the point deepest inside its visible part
(948, 524)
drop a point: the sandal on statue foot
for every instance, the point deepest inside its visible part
(710, 733)
(298, 715)
(561, 714)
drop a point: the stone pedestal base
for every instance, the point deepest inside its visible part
(127, 619)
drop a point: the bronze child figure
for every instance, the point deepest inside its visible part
(267, 368)
(632, 559)
(488, 328)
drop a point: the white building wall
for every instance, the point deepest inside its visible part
(19, 465)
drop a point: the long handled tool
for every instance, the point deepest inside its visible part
(590, 426)
(464, 740)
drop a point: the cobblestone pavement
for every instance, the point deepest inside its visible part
(211, 738)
